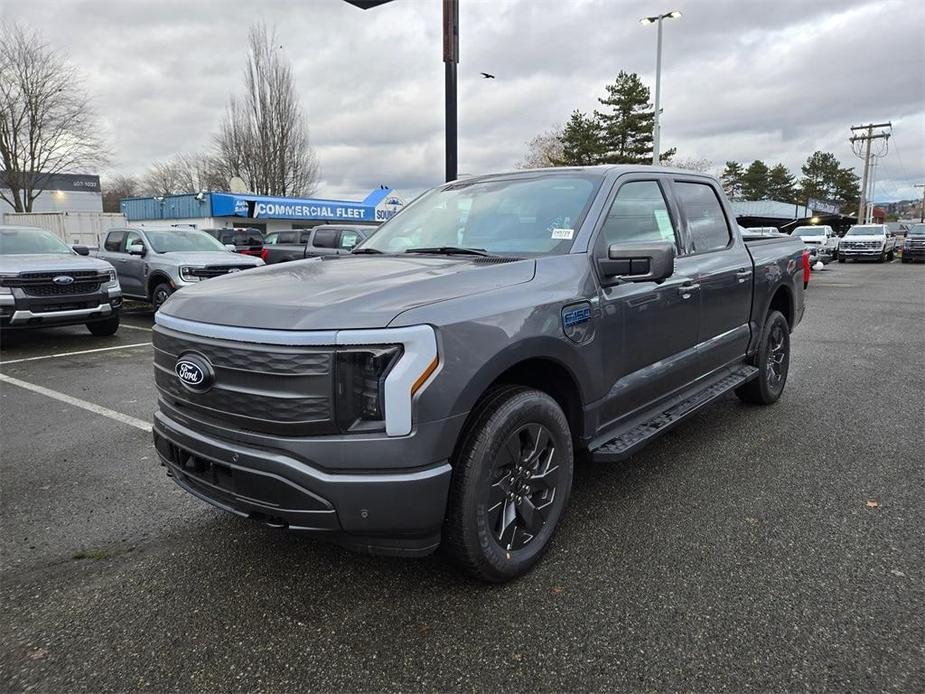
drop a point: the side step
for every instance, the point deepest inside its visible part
(625, 444)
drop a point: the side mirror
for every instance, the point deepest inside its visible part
(81, 250)
(136, 249)
(230, 247)
(640, 262)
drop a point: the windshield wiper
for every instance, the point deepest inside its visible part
(448, 250)
(360, 251)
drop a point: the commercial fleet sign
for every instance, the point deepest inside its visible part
(256, 207)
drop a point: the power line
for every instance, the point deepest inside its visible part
(864, 141)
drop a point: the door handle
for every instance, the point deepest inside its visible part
(743, 275)
(687, 290)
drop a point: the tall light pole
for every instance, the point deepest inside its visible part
(656, 128)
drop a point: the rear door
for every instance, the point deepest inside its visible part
(649, 330)
(721, 268)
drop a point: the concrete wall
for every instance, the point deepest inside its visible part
(61, 201)
(83, 228)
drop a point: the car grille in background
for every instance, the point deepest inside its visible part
(217, 270)
(269, 389)
(915, 244)
(43, 284)
(860, 244)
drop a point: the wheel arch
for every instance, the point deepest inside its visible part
(154, 279)
(782, 300)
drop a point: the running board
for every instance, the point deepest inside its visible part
(625, 444)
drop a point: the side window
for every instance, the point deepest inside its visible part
(114, 241)
(349, 239)
(305, 236)
(325, 238)
(270, 240)
(639, 214)
(227, 237)
(131, 238)
(288, 237)
(709, 230)
(254, 238)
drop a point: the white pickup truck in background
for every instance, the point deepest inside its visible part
(874, 241)
(821, 241)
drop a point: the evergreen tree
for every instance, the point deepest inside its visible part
(820, 173)
(580, 141)
(755, 181)
(781, 184)
(626, 123)
(731, 178)
(848, 188)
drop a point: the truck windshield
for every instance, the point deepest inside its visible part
(169, 241)
(28, 241)
(865, 230)
(808, 231)
(917, 230)
(519, 215)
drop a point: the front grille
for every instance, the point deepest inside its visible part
(269, 389)
(43, 284)
(860, 245)
(217, 270)
(61, 289)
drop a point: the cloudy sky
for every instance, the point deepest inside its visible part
(742, 79)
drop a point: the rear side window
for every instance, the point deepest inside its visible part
(288, 237)
(114, 241)
(254, 238)
(709, 230)
(639, 214)
(325, 238)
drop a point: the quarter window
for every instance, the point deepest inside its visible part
(325, 238)
(639, 214)
(705, 217)
(114, 241)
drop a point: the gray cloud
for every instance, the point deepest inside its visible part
(741, 79)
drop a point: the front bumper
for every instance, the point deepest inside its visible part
(18, 310)
(390, 512)
(861, 252)
(915, 253)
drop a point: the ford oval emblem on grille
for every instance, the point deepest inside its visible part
(194, 372)
(63, 279)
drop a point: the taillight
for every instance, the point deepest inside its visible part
(264, 255)
(807, 268)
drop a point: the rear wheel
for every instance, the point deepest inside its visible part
(842, 258)
(160, 294)
(773, 362)
(512, 475)
(104, 328)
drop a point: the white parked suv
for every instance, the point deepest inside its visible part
(821, 241)
(867, 241)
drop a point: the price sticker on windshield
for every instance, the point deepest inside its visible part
(563, 234)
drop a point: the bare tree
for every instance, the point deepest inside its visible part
(700, 164)
(264, 135)
(47, 125)
(117, 187)
(184, 173)
(543, 150)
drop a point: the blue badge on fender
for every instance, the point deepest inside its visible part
(576, 322)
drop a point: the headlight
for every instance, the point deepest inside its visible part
(113, 281)
(186, 274)
(359, 386)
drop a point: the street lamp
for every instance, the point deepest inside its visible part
(656, 132)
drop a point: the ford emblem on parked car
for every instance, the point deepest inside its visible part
(194, 372)
(63, 279)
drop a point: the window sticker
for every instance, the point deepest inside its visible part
(664, 225)
(563, 234)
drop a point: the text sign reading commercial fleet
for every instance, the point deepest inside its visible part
(255, 206)
(302, 211)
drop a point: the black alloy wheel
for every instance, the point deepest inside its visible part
(773, 362)
(160, 294)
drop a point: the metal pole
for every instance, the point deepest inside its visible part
(450, 59)
(922, 186)
(862, 205)
(656, 128)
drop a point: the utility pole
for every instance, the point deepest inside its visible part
(922, 186)
(863, 140)
(450, 59)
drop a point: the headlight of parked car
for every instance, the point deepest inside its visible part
(186, 274)
(113, 281)
(359, 386)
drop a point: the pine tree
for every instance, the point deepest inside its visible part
(820, 173)
(580, 141)
(755, 181)
(627, 121)
(731, 178)
(848, 188)
(781, 184)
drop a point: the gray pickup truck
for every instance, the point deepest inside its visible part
(44, 283)
(434, 386)
(324, 239)
(154, 262)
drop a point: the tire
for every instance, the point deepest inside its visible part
(891, 255)
(496, 501)
(104, 328)
(842, 259)
(905, 260)
(773, 362)
(160, 294)
(882, 257)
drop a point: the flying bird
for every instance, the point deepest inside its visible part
(487, 76)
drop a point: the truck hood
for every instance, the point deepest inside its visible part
(342, 292)
(50, 262)
(211, 258)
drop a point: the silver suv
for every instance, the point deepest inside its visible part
(154, 262)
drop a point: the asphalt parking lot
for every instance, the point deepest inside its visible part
(750, 549)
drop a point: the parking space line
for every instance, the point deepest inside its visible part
(133, 327)
(71, 354)
(77, 402)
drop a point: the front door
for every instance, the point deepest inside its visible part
(132, 275)
(649, 329)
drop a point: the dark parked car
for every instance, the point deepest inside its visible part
(913, 248)
(434, 386)
(44, 282)
(246, 241)
(325, 239)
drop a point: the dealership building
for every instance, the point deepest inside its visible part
(224, 210)
(60, 193)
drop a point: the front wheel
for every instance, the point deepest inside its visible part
(842, 258)
(160, 294)
(773, 362)
(104, 328)
(891, 255)
(512, 475)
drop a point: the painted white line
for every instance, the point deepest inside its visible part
(133, 327)
(77, 402)
(70, 354)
